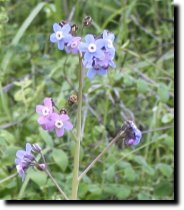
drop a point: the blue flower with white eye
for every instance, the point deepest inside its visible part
(92, 48)
(109, 39)
(100, 67)
(61, 35)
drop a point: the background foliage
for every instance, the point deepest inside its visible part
(140, 89)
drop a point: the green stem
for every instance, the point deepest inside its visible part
(56, 184)
(120, 135)
(52, 178)
(75, 181)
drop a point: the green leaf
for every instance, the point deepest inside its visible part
(61, 158)
(83, 189)
(110, 173)
(128, 80)
(123, 191)
(38, 177)
(143, 196)
(7, 136)
(94, 188)
(46, 137)
(130, 174)
(167, 118)
(163, 93)
(142, 86)
(165, 169)
(164, 188)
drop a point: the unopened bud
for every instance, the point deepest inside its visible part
(62, 23)
(63, 111)
(72, 99)
(41, 167)
(87, 21)
(36, 148)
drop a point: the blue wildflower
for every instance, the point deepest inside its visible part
(61, 35)
(92, 48)
(23, 160)
(100, 67)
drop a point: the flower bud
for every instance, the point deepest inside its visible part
(36, 148)
(87, 21)
(72, 99)
(63, 111)
(41, 167)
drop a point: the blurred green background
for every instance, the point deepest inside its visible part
(140, 89)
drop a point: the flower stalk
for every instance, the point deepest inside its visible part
(75, 182)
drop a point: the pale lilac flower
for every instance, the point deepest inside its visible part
(72, 45)
(23, 160)
(61, 35)
(45, 111)
(61, 122)
(92, 48)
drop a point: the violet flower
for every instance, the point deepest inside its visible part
(72, 45)
(23, 160)
(45, 111)
(133, 134)
(61, 122)
(61, 35)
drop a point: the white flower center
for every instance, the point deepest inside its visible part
(74, 45)
(45, 111)
(109, 45)
(59, 124)
(92, 48)
(59, 35)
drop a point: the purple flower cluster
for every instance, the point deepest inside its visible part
(63, 37)
(23, 160)
(98, 53)
(50, 120)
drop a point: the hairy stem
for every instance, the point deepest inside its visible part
(120, 135)
(56, 184)
(53, 180)
(75, 181)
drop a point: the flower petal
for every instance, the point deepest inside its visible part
(56, 27)
(42, 120)
(100, 43)
(61, 45)
(102, 72)
(53, 38)
(39, 109)
(91, 73)
(59, 132)
(66, 28)
(88, 57)
(64, 117)
(48, 102)
(68, 125)
(28, 147)
(89, 38)
(20, 153)
(82, 47)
